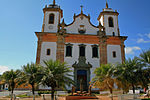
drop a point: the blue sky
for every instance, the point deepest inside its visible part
(19, 19)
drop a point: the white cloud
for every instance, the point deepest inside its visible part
(130, 50)
(3, 69)
(148, 35)
(141, 40)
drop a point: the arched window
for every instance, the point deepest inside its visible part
(110, 21)
(69, 51)
(51, 18)
(95, 52)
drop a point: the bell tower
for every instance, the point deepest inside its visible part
(109, 19)
(52, 16)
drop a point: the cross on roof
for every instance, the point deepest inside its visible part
(81, 8)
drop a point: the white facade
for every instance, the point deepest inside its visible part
(95, 62)
(82, 26)
(73, 28)
(51, 27)
(104, 22)
(48, 45)
(110, 30)
(110, 50)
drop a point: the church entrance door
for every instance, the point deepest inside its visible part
(82, 79)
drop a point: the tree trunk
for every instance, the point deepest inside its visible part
(133, 88)
(111, 92)
(52, 94)
(12, 90)
(33, 92)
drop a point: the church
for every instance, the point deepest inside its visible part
(82, 45)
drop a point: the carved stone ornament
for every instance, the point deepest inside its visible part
(82, 63)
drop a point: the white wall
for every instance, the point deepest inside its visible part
(76, 25)
(101, 20)
(48, 45)
(110, 58)
(95, 62)
(110, 30)
(51, 27)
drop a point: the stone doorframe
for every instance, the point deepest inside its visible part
(88, 75)
(82, 65)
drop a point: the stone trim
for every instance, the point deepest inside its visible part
(60, 48)
(82, 45)
(95, 45)
(69, 44)
(54, 9)
(107, 13)
(97, 51)
(38, 55)
(123, 49)
(43, 26)
(103, 50)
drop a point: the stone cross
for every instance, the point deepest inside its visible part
(81, 9)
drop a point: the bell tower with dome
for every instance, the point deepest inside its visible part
(52, 17)
(109, 19)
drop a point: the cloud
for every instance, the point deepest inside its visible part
(141, 40)
(3, 69)
(148, 35)
(131, 50)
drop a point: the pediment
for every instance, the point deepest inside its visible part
(81, 25)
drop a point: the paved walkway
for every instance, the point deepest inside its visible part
(6, 93)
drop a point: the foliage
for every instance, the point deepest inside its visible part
(44, 92)
(126, 73)
(104, 77)
(143, 73)
(56, 74)
(145, 57)
(31, 75)
(11, 77)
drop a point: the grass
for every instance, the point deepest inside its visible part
(146, 99)
(22, 96)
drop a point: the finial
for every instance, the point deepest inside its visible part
(100, 26)
(53, 2)
(89, 15)
(81, 9)
(63, 24)
(106, 4)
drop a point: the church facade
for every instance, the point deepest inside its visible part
(82, 45)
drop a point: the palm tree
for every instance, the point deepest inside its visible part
(11, 77)
(128, 72)
(120, 80)
(145, 57)
(56, 74)
(144, 75)
(31, 75)
(104, 77)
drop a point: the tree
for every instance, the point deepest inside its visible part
(11, 77)
(127, 72)
(31, 75)
(104, 77)
(144, 75)
(120, 80)
(145, 57)
(56, 74)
